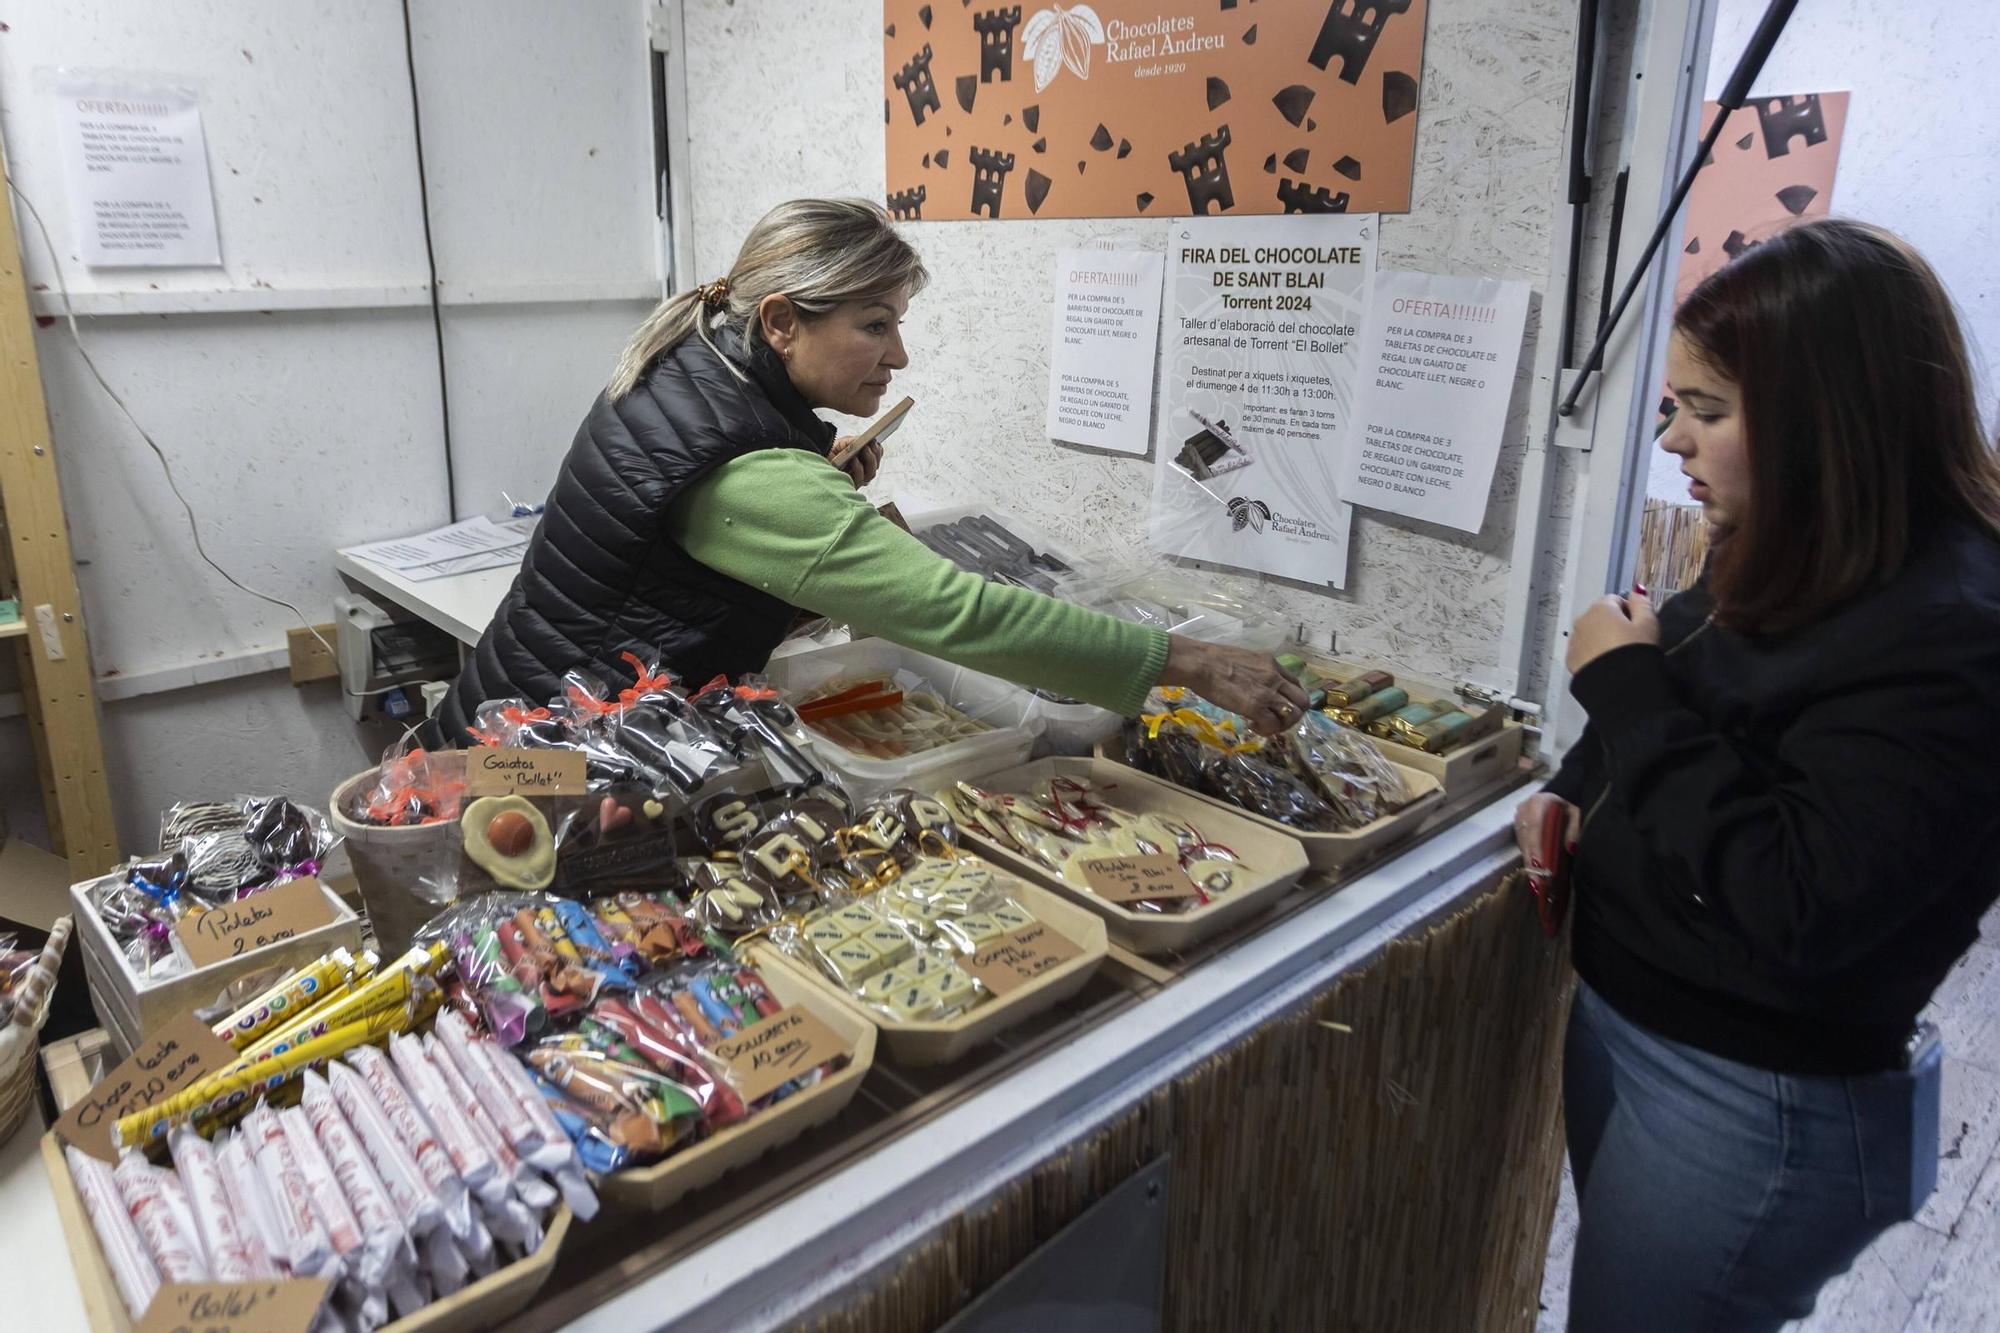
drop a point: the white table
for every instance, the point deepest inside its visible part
(462, 605)
(50, 1302)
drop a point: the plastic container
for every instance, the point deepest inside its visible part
(1003, 706)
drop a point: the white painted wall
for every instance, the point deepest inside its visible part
(538, 151)
(786, 101)
(308, 415)
(1923, 133)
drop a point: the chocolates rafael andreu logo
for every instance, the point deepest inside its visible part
(1251, 514)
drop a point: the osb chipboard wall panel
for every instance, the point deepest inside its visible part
(785, 100)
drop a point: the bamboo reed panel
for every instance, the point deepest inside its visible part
(1673, 546)
(1399, 1174)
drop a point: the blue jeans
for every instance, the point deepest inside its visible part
(1716, 1196)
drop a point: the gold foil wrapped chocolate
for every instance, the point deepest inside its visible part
(1366, 712)
(1351, 692)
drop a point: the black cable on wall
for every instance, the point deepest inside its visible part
(430, 258)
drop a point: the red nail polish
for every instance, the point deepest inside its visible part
(1570, 848)
(1640, 588)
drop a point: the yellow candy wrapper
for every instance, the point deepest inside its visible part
(214, 1096)
(391, 989)
(307, 988)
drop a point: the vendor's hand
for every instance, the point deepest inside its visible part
(1248, 683)
(1612, 623)
(1528, 826)
(864, 465)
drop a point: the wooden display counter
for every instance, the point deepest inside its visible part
(1365, 1070)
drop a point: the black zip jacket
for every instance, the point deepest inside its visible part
(1789, 841)
(602, 575)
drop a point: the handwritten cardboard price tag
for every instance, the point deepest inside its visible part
(1012, 961)
(491, 771)
(234, 1307)
(773, 1051)
(1132, 879)
(234, 929)
(160, 1066)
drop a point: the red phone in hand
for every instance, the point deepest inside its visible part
(1549, 868)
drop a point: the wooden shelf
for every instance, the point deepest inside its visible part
(13, 629)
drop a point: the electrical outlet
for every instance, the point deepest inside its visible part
(310, 658)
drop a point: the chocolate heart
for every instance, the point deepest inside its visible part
(611, 816)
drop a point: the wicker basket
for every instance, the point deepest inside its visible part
(20, 1040)
(389, 862)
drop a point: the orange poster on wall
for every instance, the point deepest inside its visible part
(1150, 108)
(1773, 167)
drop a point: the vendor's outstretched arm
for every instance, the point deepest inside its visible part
(787, 522)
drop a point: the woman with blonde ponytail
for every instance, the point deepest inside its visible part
(696, 514)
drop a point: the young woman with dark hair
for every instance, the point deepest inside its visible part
(1785, 811)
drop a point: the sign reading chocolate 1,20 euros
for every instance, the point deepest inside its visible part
(1257, 382)
(1149, 108)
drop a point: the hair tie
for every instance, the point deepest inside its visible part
(713, 294)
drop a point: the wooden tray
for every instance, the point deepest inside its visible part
(482, 1305)
(652, 1188)
(1325, 851)
(1277, 856)
(941, 1042)
(1468, 768)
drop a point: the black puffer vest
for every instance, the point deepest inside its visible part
(602, 576)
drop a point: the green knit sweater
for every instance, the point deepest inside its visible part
(788, 522)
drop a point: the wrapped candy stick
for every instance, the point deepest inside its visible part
(392, 988)
(521, 1133)
(302, 990)
(760, 994)
(582, 1076)
(566, 986)
(383, 1239)
(506, 1215)
(409, 1290)
(250, 1205)
(445, 1263)
(594, 1146)
(131, 1263)
(175, 1250)
(303, 1240)
(324, 1187)
(480, 1251)
(212, 1097)
(214, 1218)
(621, 933)
(475, 1165)
(416, 1203)
(176, 1197)
(418, 1137)
(557, 1155)
(595, 952)
(513, 1011)
(494, 1112)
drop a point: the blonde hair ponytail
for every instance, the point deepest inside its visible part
(818, 253)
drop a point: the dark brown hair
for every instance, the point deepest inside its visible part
(1858, 413)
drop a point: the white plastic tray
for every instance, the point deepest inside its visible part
(997, 702)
